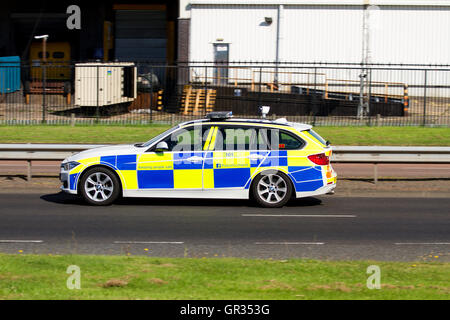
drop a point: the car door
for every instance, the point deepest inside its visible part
(178, 168)
(227, 162)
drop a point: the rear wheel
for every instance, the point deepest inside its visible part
(99, 186)
(272, 190)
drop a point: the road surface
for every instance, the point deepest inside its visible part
(403, 229)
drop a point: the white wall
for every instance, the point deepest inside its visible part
(249, 38)
(325, 33)
(322, 34)
(411, 33)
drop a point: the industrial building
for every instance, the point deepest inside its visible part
(332, 31)
(110, 30)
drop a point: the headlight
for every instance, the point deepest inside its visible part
(69, 165)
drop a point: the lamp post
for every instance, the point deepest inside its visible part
(44, 60)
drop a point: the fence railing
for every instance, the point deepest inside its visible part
(318, 94)
(341, 154)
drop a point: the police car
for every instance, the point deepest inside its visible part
(218, 157)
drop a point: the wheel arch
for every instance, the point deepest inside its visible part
(112, 169)
(271, 170)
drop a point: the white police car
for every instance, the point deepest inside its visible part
(217, 157)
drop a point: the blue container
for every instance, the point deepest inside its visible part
(9, 74)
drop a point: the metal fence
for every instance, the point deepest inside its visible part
(319, 94)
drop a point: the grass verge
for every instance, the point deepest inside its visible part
(141, 277)
(101, 134)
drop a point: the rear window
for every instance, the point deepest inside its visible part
(317, 136)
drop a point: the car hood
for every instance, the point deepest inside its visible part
(104, 151)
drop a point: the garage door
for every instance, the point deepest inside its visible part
(141, 35)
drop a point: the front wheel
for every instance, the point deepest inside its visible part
(99, 186)
(272, 190)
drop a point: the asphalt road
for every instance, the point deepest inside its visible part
(406, 229)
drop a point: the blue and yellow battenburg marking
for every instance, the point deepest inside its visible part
(212, 169)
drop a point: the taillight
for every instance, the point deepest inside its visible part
(320, 159)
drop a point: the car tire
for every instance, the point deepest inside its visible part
(99, 186)
(272, 189)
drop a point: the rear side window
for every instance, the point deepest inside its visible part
(281, 140)
(289, 142)
(254, 138)
(317, 136)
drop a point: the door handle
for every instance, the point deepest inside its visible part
(195, 159)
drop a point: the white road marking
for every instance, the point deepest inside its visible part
(148, 242)
(290, 243)
(422, 243)
(21, 241)
(301, 215)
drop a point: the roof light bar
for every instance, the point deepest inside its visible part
(219, 115)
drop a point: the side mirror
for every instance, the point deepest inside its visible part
(162, 146)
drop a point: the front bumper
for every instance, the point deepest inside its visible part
(64, 177)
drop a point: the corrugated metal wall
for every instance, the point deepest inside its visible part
(411, 35)
(244, 28)
(322, 34)
(325, 33)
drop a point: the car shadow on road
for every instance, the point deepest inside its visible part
(64, 198)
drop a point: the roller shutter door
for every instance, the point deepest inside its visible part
(141, 35)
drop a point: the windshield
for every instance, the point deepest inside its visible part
(159, 136)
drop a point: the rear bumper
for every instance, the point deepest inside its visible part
(323, 190)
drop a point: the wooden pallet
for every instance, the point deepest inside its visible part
(195, 102)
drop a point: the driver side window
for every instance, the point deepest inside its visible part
(189, 139)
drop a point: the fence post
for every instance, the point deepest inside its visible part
(375, 173)
(151, 94)
(314, 96)
(259, 87)
(97, 111)
(29, 172)
(425, 98)
(206, 88)
(44, 80)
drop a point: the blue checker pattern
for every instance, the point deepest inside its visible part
(73, 181)
(110, 160)
(180, 160)
(155, 179)
(209, 161)
(273, 159)
(308, 186)
(302, 177)
(126, 162)
(121, 162)
(231, 177)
